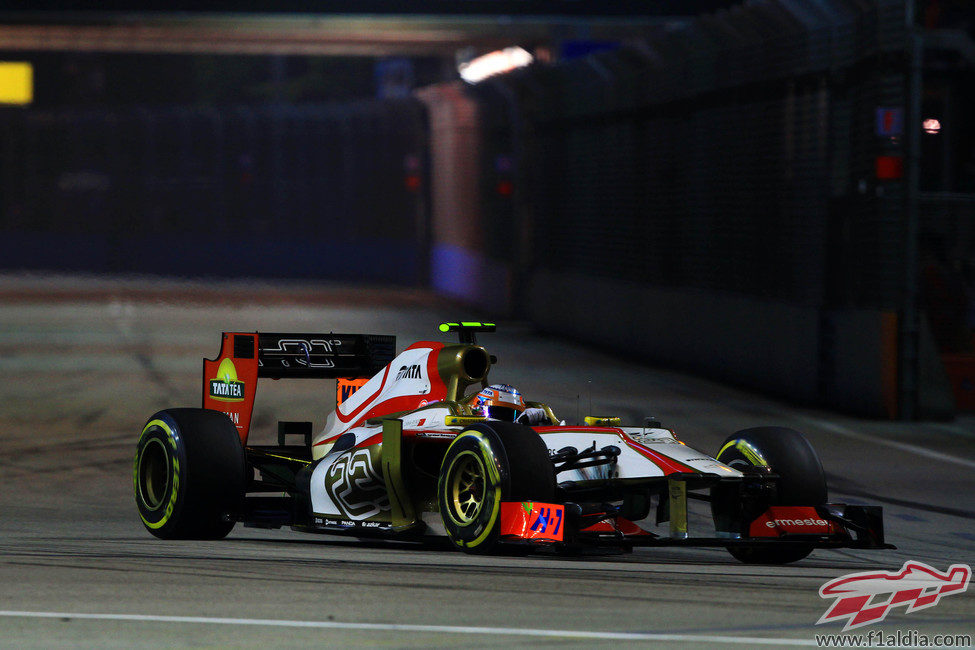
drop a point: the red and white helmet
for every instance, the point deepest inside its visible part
(499, 402)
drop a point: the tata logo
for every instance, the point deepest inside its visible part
(226, 390)
(409, 372)
(865, 598)
(225, 387)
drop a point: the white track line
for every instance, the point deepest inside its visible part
(435, 629)
(856, 435)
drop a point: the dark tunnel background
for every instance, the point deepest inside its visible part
(737, 194)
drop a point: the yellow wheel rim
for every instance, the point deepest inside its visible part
(153, 476)
(466, 487)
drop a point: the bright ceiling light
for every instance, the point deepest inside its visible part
(16, 82)
(932, 126)
(494, 63)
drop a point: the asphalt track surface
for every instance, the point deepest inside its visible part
(85, 362)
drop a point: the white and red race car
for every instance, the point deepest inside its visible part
(404, 455)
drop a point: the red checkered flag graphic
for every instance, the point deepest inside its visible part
(865, 598)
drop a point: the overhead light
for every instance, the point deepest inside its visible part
(932, 126)
(16, 82)
(494, 63)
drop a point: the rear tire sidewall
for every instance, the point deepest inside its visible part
(188, 474)
(160, 462)
(801, 481)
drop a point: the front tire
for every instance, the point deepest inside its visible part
(483, 466)
(188, 474)
(801, 482)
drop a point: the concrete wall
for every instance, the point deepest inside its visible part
(736, 338)
(841, 359)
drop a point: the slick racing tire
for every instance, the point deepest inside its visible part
(189, 474)
(486, 464)
(801, 482)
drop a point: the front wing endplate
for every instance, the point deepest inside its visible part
(532, 521)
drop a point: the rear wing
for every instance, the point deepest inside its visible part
(230, 380)
(323, 356)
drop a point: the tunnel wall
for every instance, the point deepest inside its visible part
(707, 197)
(322, 192)
(710, 198)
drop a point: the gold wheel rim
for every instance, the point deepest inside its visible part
(466, 485)
(153, 474)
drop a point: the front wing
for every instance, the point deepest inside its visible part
(826, 526)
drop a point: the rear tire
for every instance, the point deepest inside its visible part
(188, 474)
(801, 482)
(485, 465)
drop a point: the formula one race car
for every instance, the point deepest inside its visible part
(406, 454)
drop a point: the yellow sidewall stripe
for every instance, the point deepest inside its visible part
(487, 456)
(174, 484)
(749, 452)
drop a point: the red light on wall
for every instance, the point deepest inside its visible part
(505, 188)
(413, 183)
(890, 168)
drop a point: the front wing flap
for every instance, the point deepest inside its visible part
(828, 526)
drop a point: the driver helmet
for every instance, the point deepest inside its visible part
(498, 402)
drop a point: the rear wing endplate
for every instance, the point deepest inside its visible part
(230, 380)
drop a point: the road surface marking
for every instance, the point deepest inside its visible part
(398, 627)
(914, 449)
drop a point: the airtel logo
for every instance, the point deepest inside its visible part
(796, 522)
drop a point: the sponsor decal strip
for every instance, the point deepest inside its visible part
(436, 434)
(791, 520)
(403, 627)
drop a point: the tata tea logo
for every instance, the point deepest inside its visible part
(225, 387)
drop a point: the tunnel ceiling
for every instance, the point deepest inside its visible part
(363, 27)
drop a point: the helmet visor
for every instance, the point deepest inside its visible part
(505, 413)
